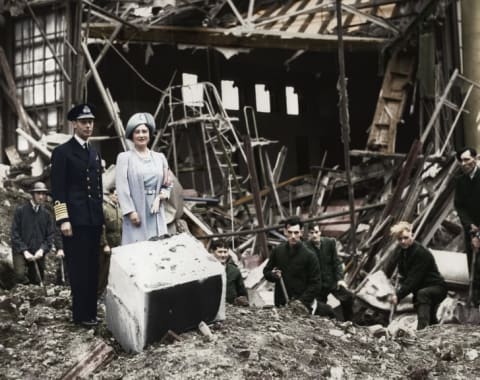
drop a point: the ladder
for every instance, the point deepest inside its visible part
(219, 137)
(391, 103)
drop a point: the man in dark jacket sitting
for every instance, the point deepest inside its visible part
(293, 262)
(418, 275)
(236, 292)
(332, 270)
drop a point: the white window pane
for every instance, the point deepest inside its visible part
(27, 32)
(229, 95)
(262, 98)
(292, 101)
(38, 95)
(18, 31)
(28, 96)
(38, 67)
(18, 71)
(49, 65)
(192, 92)
(18, 56)
(36, 31)
(60, 24)
(50, 29)
(28, 55)
(49, 92)
(39, 53)
(59, 92)
(52, 118)
(27, 69)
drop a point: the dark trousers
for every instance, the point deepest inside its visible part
(426, 302)
(345, 298)
(81, 252)
(103, 269)
(476, 273)
(25, 271)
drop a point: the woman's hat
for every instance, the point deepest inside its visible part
(138, 119)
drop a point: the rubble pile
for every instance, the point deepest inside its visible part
(39, 341)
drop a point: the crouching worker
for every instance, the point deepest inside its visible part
(332, 274)
(33, 230)
(294, 269)
(236, 292)
(418, 275)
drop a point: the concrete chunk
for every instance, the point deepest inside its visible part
(156, 286)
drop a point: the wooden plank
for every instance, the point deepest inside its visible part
(264, 192)
(175, 35)
(255, 192)
(200, 224)
(100, 354)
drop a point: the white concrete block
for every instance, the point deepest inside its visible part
(156, 286)
(452, 266)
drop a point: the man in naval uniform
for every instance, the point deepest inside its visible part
(76, 179)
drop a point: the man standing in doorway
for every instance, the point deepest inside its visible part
(77, 195)
(467, 204)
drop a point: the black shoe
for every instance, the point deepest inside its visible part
(88, 324)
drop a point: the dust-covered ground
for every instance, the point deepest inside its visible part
(38, 341)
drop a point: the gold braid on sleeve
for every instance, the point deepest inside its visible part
(60, 210)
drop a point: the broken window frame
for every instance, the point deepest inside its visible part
(39, 81)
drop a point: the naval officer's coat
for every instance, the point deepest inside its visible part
(76, 179)
(77, 184)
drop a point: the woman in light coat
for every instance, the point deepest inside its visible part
(142, 182)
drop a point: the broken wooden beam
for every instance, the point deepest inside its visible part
(278, 226)
(90, 362)
(34, 143)
(256, 194)
(264, 192)
(106, 98)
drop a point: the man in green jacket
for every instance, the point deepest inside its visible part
(293, 262)
(332, 270)
(467, 205)
(418, 275)
(236, 292)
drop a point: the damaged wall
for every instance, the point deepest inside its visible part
(314, 76)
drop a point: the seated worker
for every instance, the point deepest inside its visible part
(293, 262)
(236, 292)
(418, 275)
(33, 230)
(111, 237)
(332, 271)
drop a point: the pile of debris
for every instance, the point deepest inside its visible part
(38, 340)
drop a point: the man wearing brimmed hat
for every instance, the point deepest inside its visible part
(76, 179)
(33, 230)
